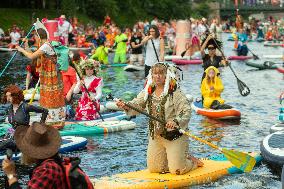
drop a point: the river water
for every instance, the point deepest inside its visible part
(126, 151)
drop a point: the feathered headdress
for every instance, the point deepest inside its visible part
(171, 83)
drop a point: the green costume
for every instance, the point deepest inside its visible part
(101, 54)
(120, 53)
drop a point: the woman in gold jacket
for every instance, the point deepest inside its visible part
(211, 87)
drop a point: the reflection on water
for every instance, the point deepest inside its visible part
(126, 151)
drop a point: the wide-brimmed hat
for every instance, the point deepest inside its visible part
(62, 16)
(38, 141)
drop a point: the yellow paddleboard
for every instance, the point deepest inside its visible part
(214, 168)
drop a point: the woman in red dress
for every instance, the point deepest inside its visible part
(88, 104)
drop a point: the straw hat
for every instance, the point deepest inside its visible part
(38, 141)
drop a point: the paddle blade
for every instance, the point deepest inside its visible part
(255, 57)
(243, 88)
(241, 160)
(183, 53)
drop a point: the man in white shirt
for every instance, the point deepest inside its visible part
(15, 38)
(64, 28)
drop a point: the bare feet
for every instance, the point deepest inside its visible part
(195, 160)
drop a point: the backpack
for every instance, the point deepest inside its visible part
(62, 53)
(75, 177)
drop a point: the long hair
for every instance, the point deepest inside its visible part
(157, 32)
(16, 93)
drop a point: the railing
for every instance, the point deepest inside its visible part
(250, 5)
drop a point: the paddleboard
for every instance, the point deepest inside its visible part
(4, 49)
(215, 114)
(93, 127)
(133, 68)
(262, 66)
(280, 69)
(277, 127)
(112, 65)
(185, 62)
(69, 144)
(272, 149)
(273, 56)
(171, 57)
(214, 168)
(239, 57)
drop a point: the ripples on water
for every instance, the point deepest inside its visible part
(126, 151)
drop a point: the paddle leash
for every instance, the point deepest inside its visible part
(241, 160)
(15, 53)
(80, 77)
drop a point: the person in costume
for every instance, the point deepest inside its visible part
(211, 89)
(101, 53)
(88, 106)
(121, 47)
(51, 84)
(157, 46)
(162, 98)
(18, 113)
(211, 59)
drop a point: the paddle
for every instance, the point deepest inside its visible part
(80, 77)
(255, 57)
(34, 92)
(15, 53)
(183, 53)
(241, 160)
(243, 88)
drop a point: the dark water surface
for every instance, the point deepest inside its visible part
(126, 151)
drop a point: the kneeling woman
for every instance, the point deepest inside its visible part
(211, 89)
(88, 106)
(167, 148)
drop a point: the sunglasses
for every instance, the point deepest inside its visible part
(211, 48)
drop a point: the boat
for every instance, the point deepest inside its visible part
(272, 150)
(94, 127)
(260, 39)
(215, 167)
(215, 114)
(239, 57)
(69, 144)
(277, 127)
(185, 62)
(262, 66)
(133, 68)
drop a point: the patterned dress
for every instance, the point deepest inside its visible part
(87, 108)
(51, 90)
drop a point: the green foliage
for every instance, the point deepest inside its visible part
(124, 13)
(69, 7)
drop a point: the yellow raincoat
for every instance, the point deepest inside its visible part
(208, 95)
